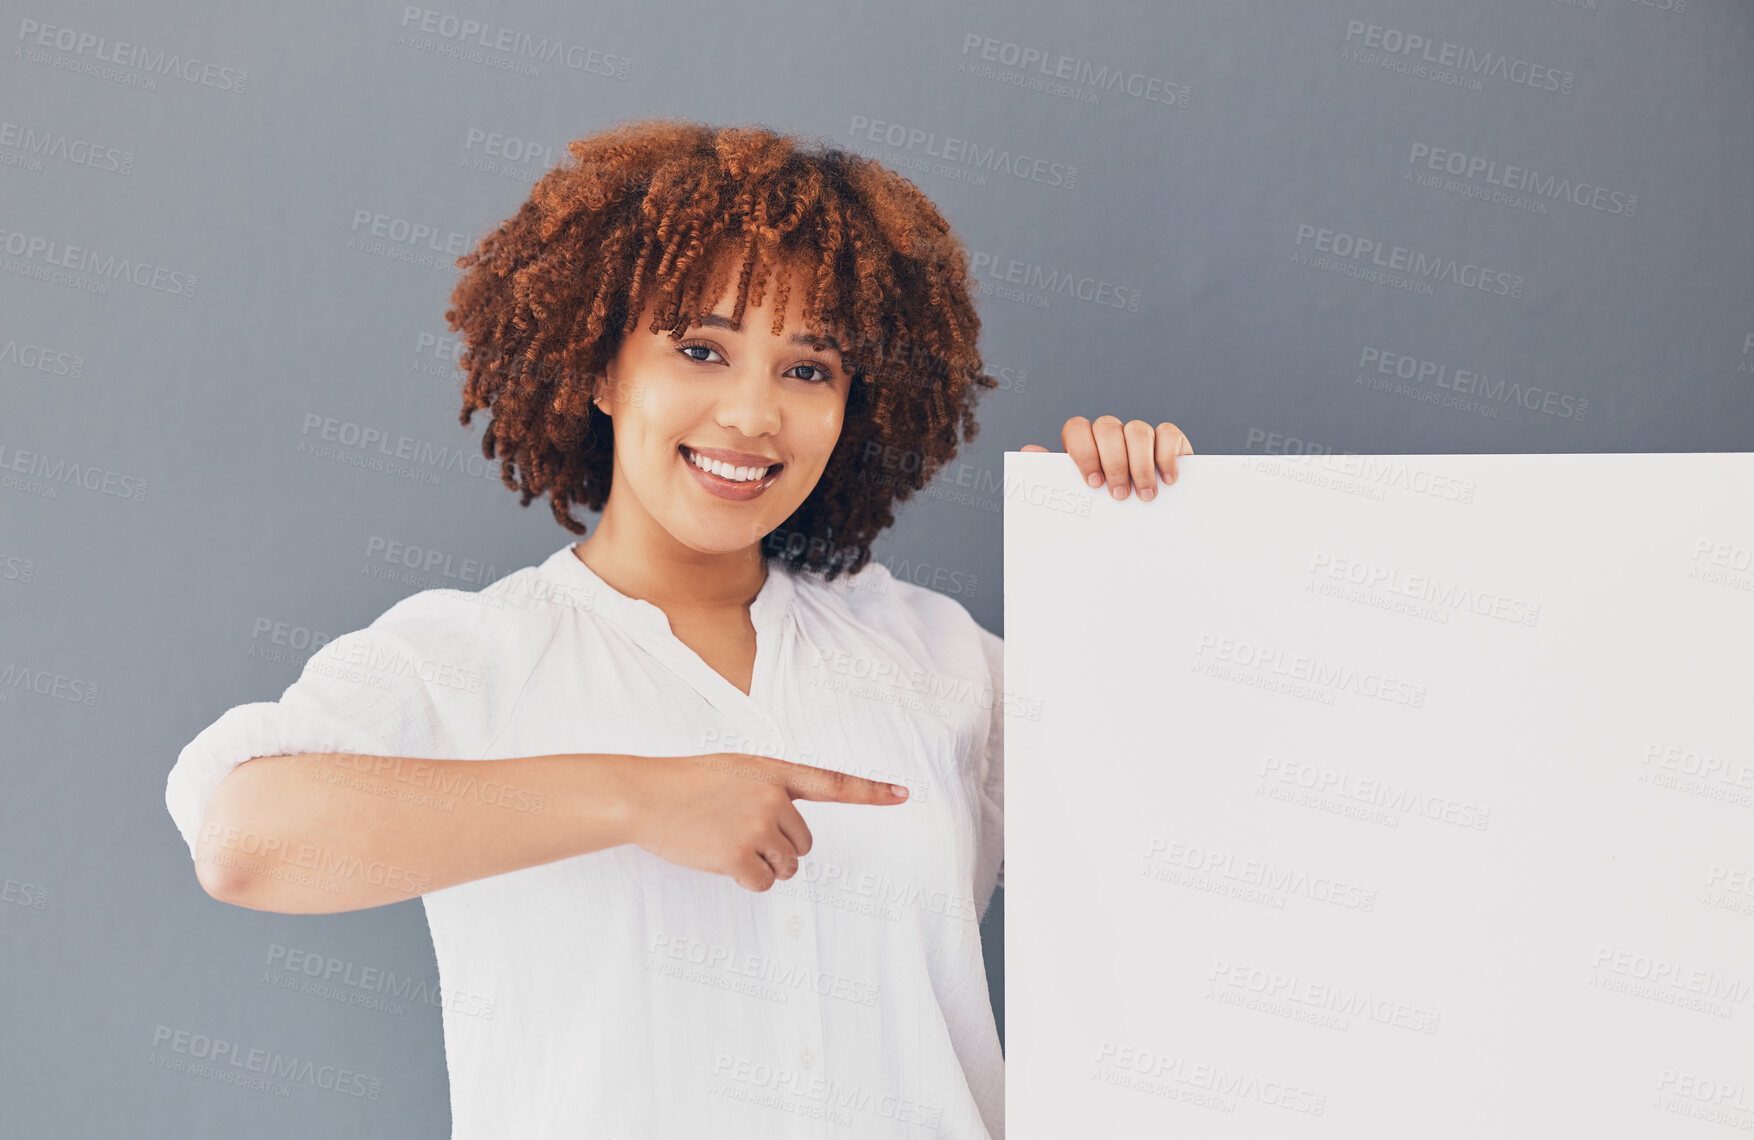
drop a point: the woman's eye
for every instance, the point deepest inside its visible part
(823, 375)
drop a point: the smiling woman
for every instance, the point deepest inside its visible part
(709, 804)
(746, 415)
(675, 227)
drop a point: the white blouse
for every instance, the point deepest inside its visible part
(617, 995)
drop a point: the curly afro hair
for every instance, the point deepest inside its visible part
(643, 217)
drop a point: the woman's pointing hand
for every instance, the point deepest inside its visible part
(731, 813)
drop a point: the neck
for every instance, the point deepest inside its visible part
(641, 559)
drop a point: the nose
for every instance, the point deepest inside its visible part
(749, 403)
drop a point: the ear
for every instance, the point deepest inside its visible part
(602, 399)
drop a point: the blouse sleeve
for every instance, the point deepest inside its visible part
(391, 689)
(992, 775)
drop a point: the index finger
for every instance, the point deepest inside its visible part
(802, 782)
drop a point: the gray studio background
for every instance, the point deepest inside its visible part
(227, 241)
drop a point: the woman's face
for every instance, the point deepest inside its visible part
(746, 396)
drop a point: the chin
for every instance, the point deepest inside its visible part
(720, 536)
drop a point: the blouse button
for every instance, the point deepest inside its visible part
(795, 926)
(806, 1058)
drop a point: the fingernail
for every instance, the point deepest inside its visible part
(1119, 490)
(1147, 494)
(900, 791)
(1094, 479)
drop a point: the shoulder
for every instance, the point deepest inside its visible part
(460, 644)
(523, 602)
(931, 625)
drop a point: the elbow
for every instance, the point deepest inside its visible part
(222, 881)
(239, 887)
(241, 848)
(219, 871)
(232, 876)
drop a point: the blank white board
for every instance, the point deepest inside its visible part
(1389, 795)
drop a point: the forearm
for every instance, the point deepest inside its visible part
(320, 833)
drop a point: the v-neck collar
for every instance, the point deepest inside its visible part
(768, 612)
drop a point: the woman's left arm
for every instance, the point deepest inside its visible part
(1122, 455)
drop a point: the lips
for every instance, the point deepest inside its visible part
(729, 488)
(731, 459)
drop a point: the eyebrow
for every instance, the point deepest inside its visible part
(714, 321)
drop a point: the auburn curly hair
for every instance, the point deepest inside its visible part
(644, 215)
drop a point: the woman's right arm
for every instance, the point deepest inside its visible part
(324, 832)
(320, 833)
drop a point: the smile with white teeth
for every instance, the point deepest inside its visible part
(725, 470)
